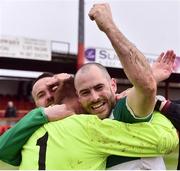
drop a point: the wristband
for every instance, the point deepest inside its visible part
(158, 104)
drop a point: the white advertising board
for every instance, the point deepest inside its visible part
(108, 58)
(153, 26)
(26, 48)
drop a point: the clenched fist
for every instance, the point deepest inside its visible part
(101, 14)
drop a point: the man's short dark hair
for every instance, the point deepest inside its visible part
(43, 75)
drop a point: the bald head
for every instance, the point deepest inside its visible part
(86, 68)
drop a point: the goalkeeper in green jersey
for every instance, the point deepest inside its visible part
(84, 141)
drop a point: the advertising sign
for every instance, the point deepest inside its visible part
(108, 58)
(26, 48)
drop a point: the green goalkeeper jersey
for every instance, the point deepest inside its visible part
(84, 142)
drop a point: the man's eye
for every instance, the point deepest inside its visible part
(84, 93)
(98, 88)
(40, 96)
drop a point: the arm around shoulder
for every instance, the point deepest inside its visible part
(145, 139)
(12, 141)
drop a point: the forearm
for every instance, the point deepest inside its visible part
(137, 70)
(133, 61)
(12, 141)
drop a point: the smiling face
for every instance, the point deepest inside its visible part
(96, 91)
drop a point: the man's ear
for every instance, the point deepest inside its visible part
(113, 85)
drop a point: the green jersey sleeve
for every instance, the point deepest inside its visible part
(12, 141)
(122, 112)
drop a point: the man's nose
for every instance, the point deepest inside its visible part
(49, 95)
(94, 95)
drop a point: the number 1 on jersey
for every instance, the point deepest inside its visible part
(42, 143)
